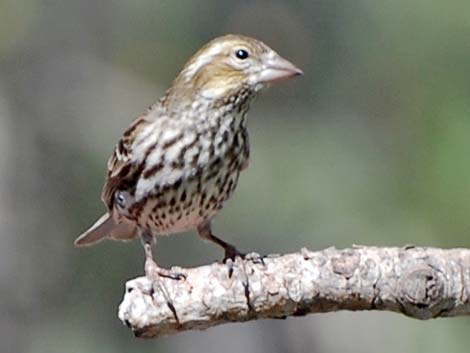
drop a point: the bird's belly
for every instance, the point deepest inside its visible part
(193, 202)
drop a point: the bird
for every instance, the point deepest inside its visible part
(178, 163)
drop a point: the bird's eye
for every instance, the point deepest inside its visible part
(241, 54)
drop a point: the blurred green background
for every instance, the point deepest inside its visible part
(370, 147)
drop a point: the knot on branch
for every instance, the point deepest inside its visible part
(345, 263)
(421, 290)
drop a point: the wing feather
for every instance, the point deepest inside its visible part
(123, 167)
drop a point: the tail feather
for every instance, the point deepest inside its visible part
(104, 228)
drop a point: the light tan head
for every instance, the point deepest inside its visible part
(232, 62)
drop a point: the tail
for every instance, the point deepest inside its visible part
(103, 228)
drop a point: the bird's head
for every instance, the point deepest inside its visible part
(229, 64)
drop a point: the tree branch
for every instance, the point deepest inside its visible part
(422, 283)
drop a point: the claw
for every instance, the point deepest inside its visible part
(177, 276)
(255, 258)
(152, 270)
(229, 263)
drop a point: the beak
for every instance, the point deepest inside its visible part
(276, 68)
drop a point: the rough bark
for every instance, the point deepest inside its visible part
(422, 283)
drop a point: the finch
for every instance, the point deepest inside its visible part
(177, 164)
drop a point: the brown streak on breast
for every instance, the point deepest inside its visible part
(172, 141)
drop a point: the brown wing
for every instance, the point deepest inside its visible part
(123, 171)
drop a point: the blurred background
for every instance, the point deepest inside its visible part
(370, 147)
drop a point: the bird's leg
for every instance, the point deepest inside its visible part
(152, 269)
(231, 251)
(155, 272)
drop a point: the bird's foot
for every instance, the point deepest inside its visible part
(154, 271)
(231, 253)
(230, 257)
